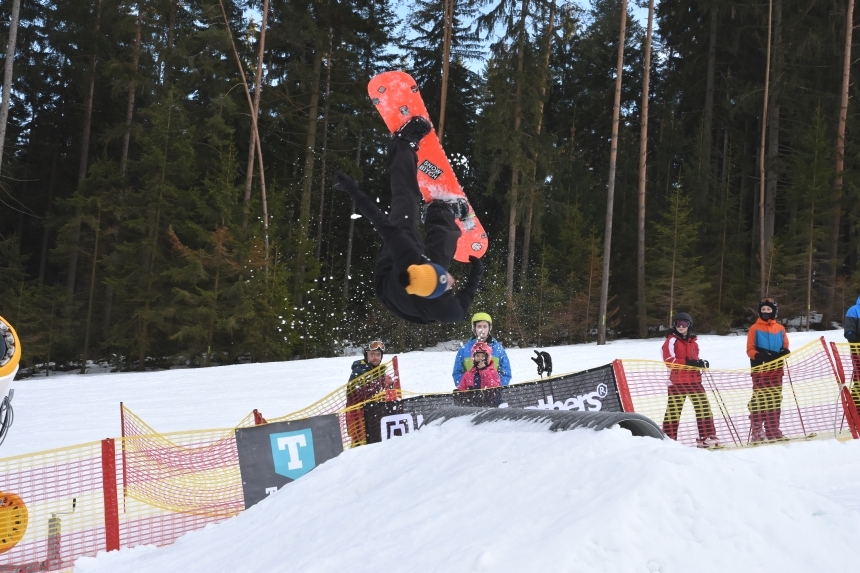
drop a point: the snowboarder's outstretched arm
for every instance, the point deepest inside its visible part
(402, 251)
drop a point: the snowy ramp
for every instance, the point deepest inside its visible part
(636, 424)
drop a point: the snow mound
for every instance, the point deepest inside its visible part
(513, 497)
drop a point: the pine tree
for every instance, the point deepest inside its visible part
(676, 277)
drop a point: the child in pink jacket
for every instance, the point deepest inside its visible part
(481, 375)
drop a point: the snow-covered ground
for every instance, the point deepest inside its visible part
(514, 497)
(507, 496)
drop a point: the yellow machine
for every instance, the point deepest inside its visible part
(13, 520)
(10, 357)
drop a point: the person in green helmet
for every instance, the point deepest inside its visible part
(482, 327)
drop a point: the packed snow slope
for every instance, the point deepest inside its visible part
(514, 497)
(505, 497)
(69, 409)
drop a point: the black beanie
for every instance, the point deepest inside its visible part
(772, 304)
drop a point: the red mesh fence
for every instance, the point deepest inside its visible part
(145, 488)
(793, 398)
(63, 493)
(847, 359)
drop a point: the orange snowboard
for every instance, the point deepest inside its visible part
(396, 97)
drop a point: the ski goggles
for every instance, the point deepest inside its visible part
(376, 345)
(767, 300)
(682, 323)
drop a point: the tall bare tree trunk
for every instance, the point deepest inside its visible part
(351, 230)
(324, 142)
(724, 180)
(761, 167)
(643, 164)
(7, 75)
(827, 319)
(126, 141)
(527, 232)
(515, 168)
(773, 138)
(610, 192)
(448, 27)
(52, 182)
(129, 108)
(249, 172)
(86, 353)
(85, 156)
(153, 236)
(707, 127)
(171, 27)
(255, 130)
(307, 182)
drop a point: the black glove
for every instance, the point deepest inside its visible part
(784, 352)
(852, 337)
(345, 183)
(766, 355)
(477, 271)
(697, 363)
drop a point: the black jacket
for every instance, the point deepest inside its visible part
(359, 367)
(390, 277)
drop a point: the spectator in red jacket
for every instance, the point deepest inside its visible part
(767, 343)
(681, 353)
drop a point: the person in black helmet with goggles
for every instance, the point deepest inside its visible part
(682, 349)
(367, 379)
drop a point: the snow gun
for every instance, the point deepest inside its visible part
(10, 356)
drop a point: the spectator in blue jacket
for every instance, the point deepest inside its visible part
(482, 326)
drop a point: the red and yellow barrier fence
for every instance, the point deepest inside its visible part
(144, 488)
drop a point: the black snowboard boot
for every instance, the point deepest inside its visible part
(413, 131)
(459, 207)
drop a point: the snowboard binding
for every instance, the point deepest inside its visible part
(544, 363)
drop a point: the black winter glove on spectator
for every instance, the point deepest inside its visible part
(852, 337)
(697, 363)
(766, 355)
(784, 352)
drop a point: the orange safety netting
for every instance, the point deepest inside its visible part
(173, 483)
(146, 487)
(64, 497)
(796, 397)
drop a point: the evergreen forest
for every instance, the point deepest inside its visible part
(166, 166)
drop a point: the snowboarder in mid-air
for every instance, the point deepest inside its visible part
(411, 277)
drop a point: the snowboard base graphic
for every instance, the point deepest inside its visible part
(396, 97)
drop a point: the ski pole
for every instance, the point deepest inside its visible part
(723, 409)
(799, 415)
